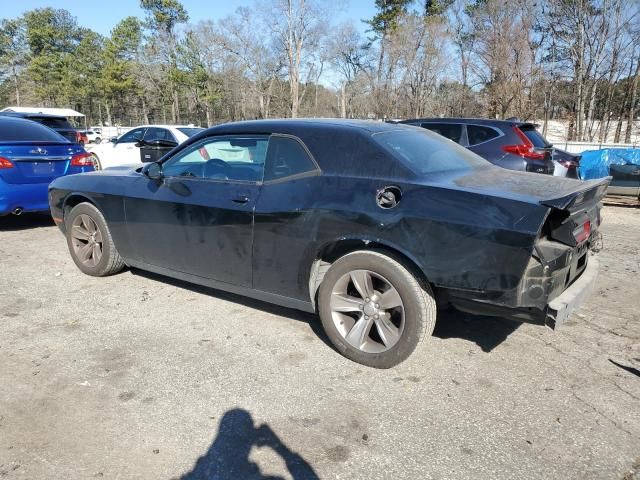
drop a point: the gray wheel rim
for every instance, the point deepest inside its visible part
(86, 239)
(367, 311)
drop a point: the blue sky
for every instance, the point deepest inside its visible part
(102, 15)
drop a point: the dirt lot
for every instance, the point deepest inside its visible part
(135, 376)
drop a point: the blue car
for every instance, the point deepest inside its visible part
(31, 157)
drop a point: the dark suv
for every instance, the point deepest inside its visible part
(55, 122)
(509, 144)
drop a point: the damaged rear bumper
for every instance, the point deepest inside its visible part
(553, 313)
(561, 307)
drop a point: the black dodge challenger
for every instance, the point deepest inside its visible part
(368, 224)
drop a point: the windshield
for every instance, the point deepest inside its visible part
(190, 131)
(426, 152)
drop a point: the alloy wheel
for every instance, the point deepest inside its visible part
(86, 239)
(367, 311)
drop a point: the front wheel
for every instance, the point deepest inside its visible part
(90, 243)
(374, 310)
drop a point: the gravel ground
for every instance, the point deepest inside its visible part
(138, 376)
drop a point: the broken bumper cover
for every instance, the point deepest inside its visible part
(561, 307)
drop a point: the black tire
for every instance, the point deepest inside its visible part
(110, 261)
(417, 298)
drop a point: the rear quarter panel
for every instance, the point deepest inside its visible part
(458, 239)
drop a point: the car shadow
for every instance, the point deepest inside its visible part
(486, 332)
(25, 221)
(228, 456)
(311, 319)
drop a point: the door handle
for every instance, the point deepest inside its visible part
(240, 199)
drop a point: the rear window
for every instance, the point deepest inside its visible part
(425, 152)
(18, 130)
(190, 131)
(452, 131)
(60, 123)
(535, 137)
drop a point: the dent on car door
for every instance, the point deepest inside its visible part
(284, 218)
(199, 219)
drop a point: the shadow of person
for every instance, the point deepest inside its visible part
(228, 456)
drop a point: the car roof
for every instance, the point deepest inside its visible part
(290, 125)
(160, 126)
(473, 121)
(32, 115)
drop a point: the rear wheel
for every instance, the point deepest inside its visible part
(96, 162)
(90, 242)
(374, 310)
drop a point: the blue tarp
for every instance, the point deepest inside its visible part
(595, 163)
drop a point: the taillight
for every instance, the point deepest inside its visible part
(582, 232)
(5, 163)
(524, 149)
(82, 160)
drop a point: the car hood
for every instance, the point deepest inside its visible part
(547, 190)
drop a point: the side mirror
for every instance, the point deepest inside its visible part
(113, 139)
(153, 171)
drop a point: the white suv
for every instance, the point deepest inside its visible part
(125, 150)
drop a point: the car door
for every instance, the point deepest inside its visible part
(198, 219)
(125, 150)
(479, 141)
(285, 218)
(156, 143)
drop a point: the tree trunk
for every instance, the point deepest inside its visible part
(145, 113)
(632, 105)
(17, 86)
(580, 82)
(108, 109)
(343, 101)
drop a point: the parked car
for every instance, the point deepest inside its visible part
(510, 144)
(31, 156)
(55, 122)
(621, 164)
(83, 139)
(366, 223)
(93, 135)
(125, 150)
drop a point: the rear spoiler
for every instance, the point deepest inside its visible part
(590, 191)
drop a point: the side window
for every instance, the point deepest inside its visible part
(286, 157)
(132, 136)
(478, 134)
(238, 158)
(452, 131)
(158, 134)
